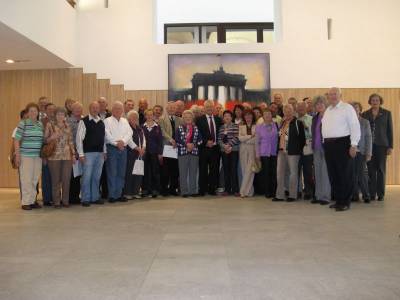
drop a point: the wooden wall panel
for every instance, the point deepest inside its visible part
(22, 86)
(89, 88)
(117, 93)
(103, 88)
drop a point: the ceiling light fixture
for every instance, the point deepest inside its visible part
(10, 61)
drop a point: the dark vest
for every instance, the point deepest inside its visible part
(94, 137)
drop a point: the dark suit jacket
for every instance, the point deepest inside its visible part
(202, 124)
(383, 133)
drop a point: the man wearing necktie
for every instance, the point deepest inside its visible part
(209, 155)
(169, 169)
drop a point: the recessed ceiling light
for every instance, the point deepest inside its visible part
(10, 61)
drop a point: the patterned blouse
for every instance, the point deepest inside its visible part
(181, 136)
(65, 146)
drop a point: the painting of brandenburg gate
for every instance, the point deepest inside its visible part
(223, 77)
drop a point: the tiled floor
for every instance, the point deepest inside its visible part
(210, 248)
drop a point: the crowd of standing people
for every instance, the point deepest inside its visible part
(324, 150)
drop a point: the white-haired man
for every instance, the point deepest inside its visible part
(118, 135)
(341, 133)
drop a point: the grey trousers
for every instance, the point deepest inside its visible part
(60, 171)
(360, 176)
(322, 183)
(288, 163)
(188, 168)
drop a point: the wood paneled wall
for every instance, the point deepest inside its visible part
(17, 88)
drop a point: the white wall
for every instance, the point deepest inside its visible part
(118, 43)
(209, 11)
(49, 23)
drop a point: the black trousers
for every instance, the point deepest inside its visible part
(103, 183)
(306, 163)
(230, 164)
(360, 177)
(169, 176)
(151, 174)
(340, 169)
(132, 182)
(209, 169)
(377, 171)
(74, 189)
(268, 175)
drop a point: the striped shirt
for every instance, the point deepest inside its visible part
(31, 134)
(229, 134)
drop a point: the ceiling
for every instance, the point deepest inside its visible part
(15, 46)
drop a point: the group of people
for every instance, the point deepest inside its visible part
(323, 150)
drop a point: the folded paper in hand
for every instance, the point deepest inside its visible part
(170, 152)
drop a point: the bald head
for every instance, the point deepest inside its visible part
(301, 108)
(94, 108)
(143, 104)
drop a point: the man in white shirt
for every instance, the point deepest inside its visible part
(118, 135)
(341, 134)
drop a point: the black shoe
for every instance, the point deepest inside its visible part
(85, 204)
(307, 197)
(112, 200)
(154, 196)
(315, 201)
(99, 202)
(212, 193)
(185, 196)
(35, 205)
(355, 199)
(277, 199)
(366, 200)
(201, 194)
(194, 195)
(381, 198)
(299, 195)
(26, 207)
(332, 206)
(122, 199)
(173, 193)
(324, 202)
(286, 193)
(58, 206)
(47, 204)
(164, 194)
(290, 200)
(342, 208)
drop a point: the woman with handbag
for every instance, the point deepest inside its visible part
(135, 157)
(187, 140)
(28, 141)
(267, 151)
(60, 154)
(247, 152)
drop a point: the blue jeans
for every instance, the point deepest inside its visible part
(46, 184)
(116, 167)
(91, 176)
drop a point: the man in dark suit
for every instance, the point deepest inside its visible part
(209, 155)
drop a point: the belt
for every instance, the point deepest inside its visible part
(336, 138)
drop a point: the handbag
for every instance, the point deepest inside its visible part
(138, 167)
(256, 166)
(49, 148)
(13, 154)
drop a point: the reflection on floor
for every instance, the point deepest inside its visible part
(210, 248)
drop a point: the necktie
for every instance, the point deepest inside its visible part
(173, 126)
(212, 129)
